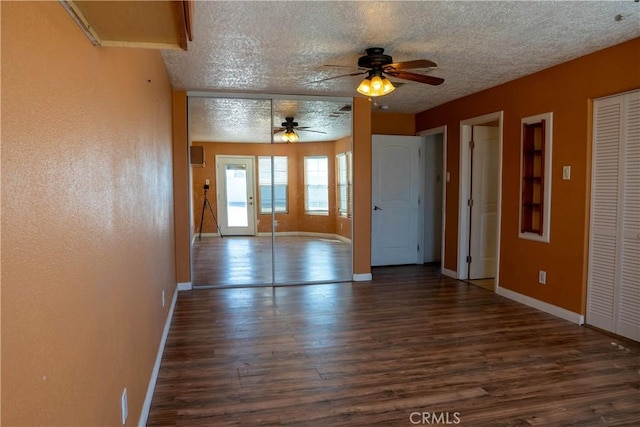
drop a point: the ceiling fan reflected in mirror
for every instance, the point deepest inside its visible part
(377, 66)
(289, 127)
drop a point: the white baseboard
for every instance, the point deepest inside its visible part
(185, 286)
(362, 277)
(144, 414)
(541, 305)
(449, 273)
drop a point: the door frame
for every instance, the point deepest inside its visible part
(445, 178)
(465, 176)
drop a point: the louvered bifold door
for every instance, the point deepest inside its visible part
(629, 285)
(601, 308)
(614, 249)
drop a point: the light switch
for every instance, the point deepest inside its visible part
(448, 176)
(566, 172)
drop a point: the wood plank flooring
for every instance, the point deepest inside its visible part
(407, 345)
(247, 260)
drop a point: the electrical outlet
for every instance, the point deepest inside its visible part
(125, 406)
(542, 277)
(206, 181)
(163, 297)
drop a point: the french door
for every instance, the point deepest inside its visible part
(236, 208)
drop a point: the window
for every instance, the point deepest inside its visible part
(535, 177)
(316, 181)
(343, 172)
(279, 181)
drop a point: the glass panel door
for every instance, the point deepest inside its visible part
(235, 195)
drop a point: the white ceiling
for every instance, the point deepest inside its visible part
(281, 47)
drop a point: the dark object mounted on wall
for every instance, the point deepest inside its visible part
(196, 156)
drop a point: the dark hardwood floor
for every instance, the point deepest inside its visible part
(406, 348)
(247, 260)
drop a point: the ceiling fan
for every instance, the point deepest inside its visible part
(376, 65)
(289, 127)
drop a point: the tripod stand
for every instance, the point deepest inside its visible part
(204, 208)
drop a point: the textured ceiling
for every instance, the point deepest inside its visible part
(254, 120)
(282, 47)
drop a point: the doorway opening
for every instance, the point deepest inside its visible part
(434, 196)
(480, 196)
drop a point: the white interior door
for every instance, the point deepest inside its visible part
(395, 199)
(235, 191)
(629, 299)
(614, 251)
(484, 206)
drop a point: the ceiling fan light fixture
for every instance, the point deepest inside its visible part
(365, 87)
(290, 136)
(376, 85)
(387, 86)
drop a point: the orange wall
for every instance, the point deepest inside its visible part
(181, 200)
(393, 123)
(295, 219)
(87, 220)
(361, 186)
(567, 91)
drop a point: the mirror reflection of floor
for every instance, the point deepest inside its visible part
(488, 284)
(247, 260)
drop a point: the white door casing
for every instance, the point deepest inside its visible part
(395, 199)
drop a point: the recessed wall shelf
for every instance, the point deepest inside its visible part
(535, 177)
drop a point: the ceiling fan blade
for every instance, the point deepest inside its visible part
(337, 77)
(418, 63)
(421, 78)
(310, 130)
(341, 66)
(276, 130)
